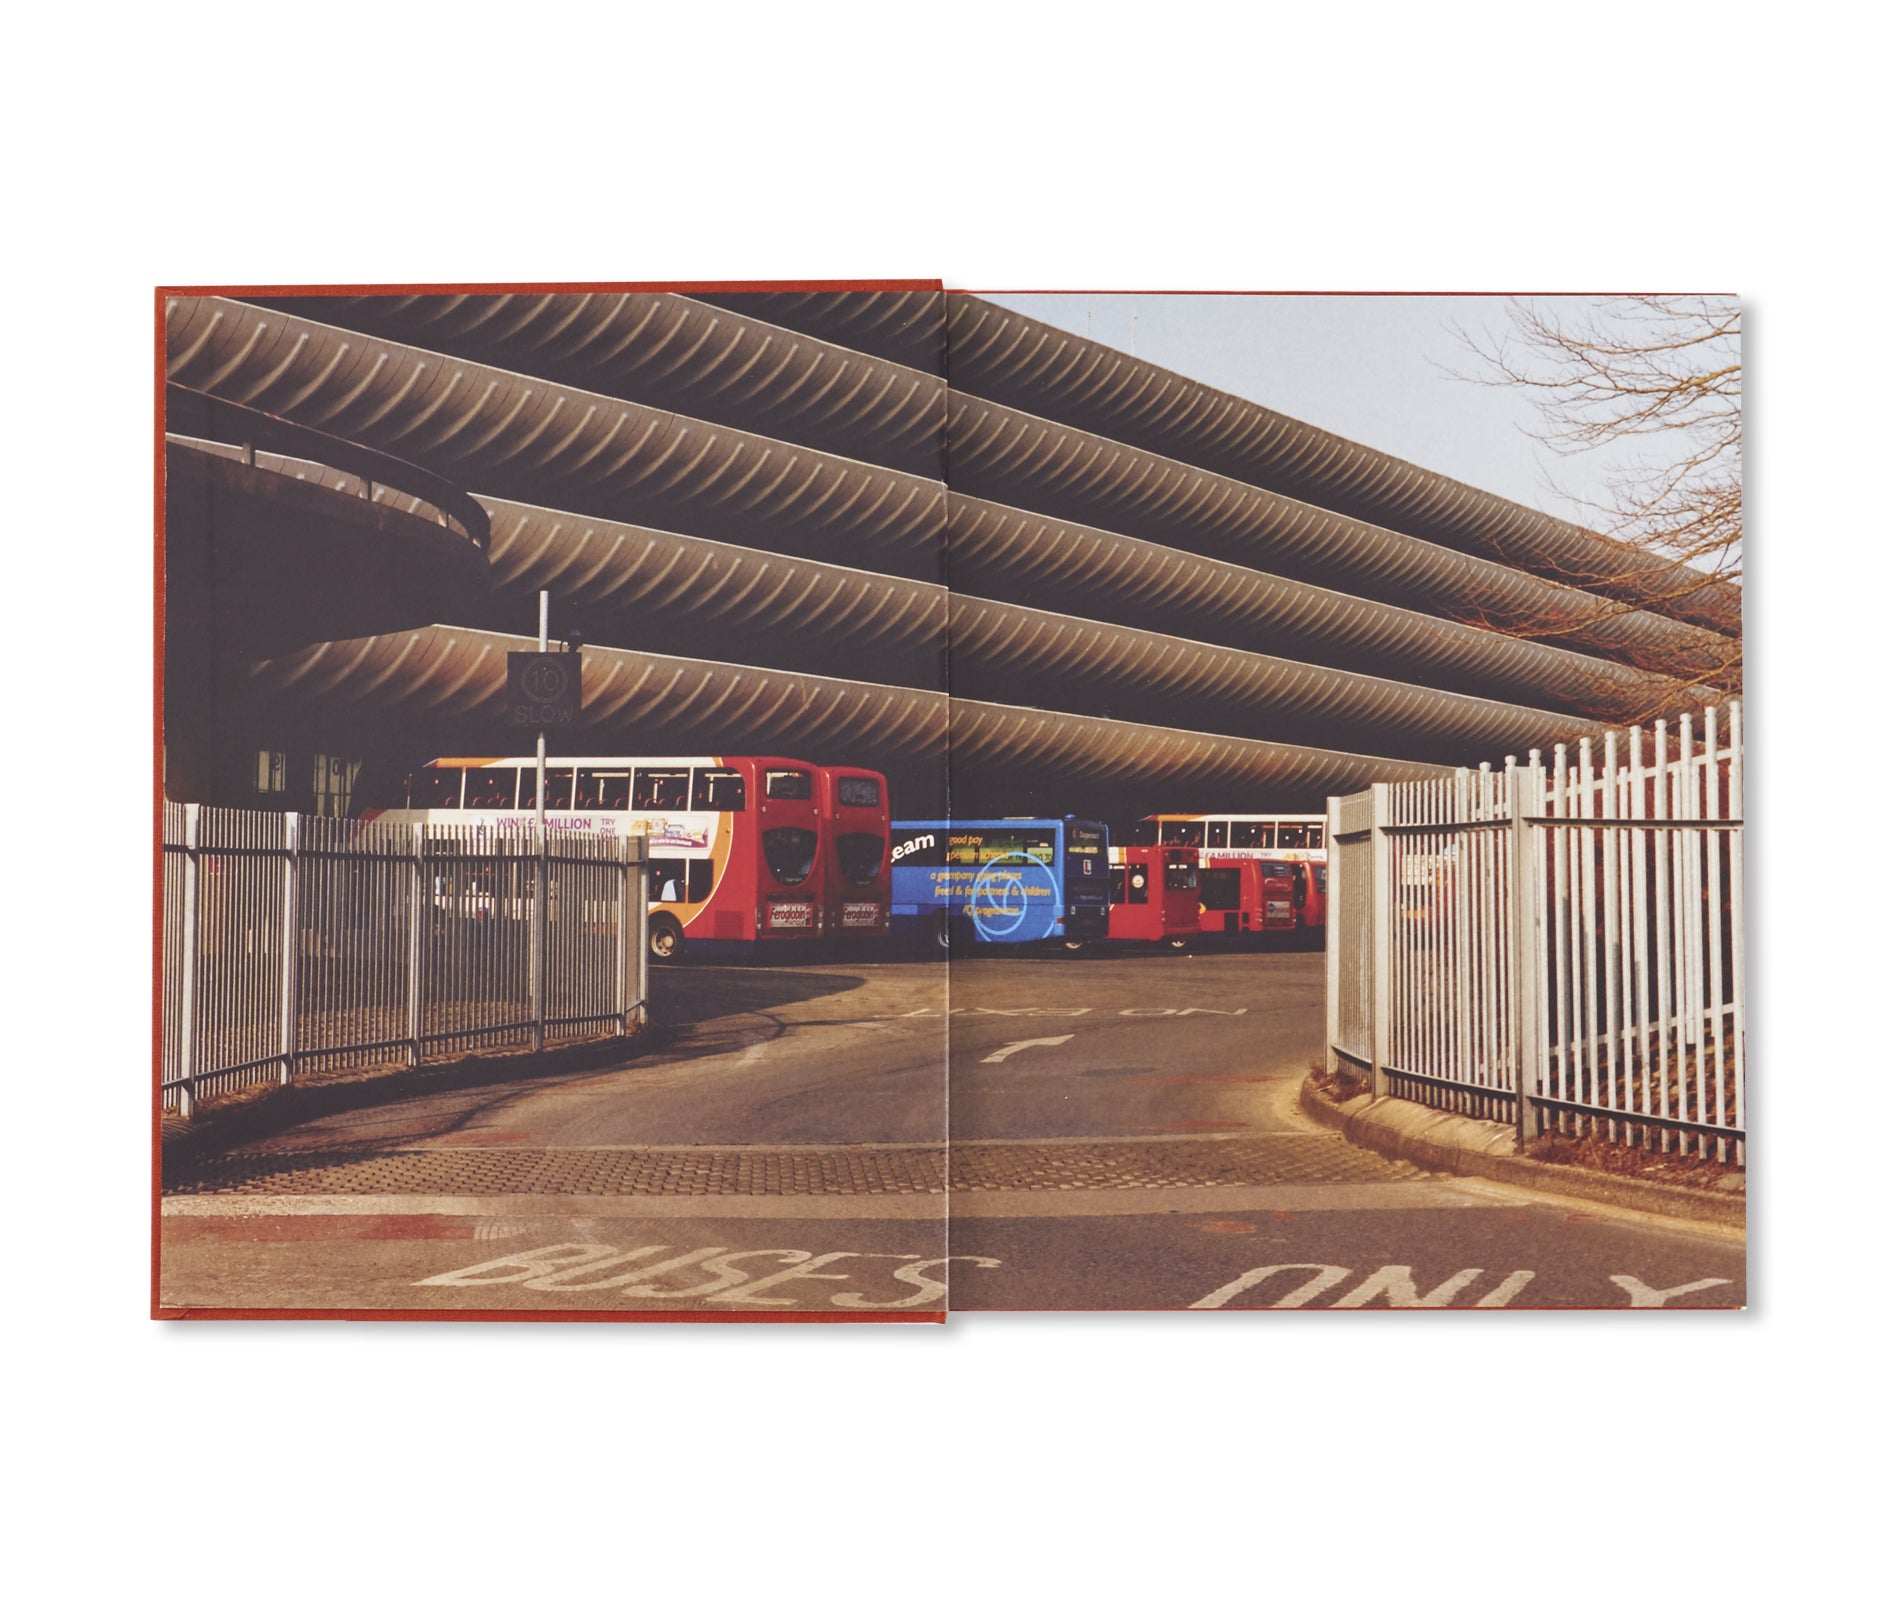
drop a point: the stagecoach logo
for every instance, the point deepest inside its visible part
(544, 691)
(923, 841)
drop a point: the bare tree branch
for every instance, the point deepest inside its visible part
(1659, 376)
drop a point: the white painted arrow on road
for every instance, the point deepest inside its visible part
(1010, 1049)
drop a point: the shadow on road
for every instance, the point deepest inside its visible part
(698, 1011)
(686, 995)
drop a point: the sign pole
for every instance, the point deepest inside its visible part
(541, 739)
(538, 940)
(544, 690)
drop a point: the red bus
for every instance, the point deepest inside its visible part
(1312, 912)
(854, 852)
(732, 841)
(1251, 897)
(1229, 837)
(1153, 894)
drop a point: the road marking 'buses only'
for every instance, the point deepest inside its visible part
(713, 1274)
(1396, 1286)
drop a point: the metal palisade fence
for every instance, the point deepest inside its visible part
(295, 945)
(1556, 946)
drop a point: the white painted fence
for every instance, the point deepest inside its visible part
(294, 945)
(1557, 946)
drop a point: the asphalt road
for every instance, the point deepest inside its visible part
(1124, 1135)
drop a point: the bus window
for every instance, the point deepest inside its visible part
(860, 855)
(1217, 836)
(666, 882)
(997, 844)
(600, 789)
(1145, 833)
(858, 792)
(1180, 875)
(1137, 886)
(1279, 869)
(489, 789)
(1039, 847)
(1246, 835)
(1316, 836)
(1182, 833)
(436, 789)
(783, 785)
(1292, 836)
(1220, 888)
(718, 789)
(1319, 876)
(698, 879)
(659, 788)
(789, 852)
(1118, 886)
(557, 794)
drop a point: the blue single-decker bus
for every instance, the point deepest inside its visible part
(1016, 880)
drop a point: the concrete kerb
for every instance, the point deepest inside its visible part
(1466, 1148)
(219, 1127)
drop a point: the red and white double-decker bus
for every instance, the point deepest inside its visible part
(1223, 837)
(854, 852)
(732, 841)
(1153, 894)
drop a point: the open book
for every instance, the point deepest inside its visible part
(864, 801)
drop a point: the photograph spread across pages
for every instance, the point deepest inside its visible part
(870, 802)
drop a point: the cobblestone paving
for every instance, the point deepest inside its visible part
(1106, 1164)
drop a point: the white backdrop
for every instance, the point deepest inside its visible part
(1001, 147)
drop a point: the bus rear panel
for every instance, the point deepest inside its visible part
(1154, 894)
(854, 850)
(1251, 897)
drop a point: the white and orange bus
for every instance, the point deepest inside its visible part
(1229, 836)
(732, 841)
(854, 853)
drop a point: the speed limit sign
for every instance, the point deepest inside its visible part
(544, 688)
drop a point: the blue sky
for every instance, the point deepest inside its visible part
(1379, 369)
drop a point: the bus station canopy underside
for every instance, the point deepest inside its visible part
(454, 681)
(816, 378)
(528, 437)
(668, 592)
(780, 528)
(632, 581)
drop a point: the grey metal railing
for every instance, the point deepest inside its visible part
(295, 945)
(1558, 947)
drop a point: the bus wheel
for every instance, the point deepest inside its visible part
(1178, 943)
(665, 941)
(954, 935)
